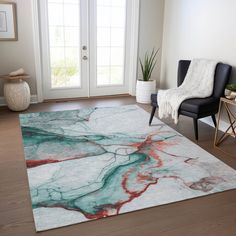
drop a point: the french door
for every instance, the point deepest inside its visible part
(85, 47)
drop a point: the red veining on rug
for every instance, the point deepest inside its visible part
(35, 163)
(135, 194)
(132, 195)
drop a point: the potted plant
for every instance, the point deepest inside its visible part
(230, 91)
(146, 86)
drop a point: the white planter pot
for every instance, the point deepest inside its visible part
(227, 92)
(144, 89)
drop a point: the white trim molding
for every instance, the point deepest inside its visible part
(134, 46)
(33, 100)
(37, 49)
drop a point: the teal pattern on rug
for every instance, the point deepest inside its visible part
(98, 162)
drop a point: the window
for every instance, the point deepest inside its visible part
(64, 37)
(111, 25)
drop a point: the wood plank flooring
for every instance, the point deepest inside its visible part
(210, 215)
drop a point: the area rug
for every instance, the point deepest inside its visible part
(93, 163)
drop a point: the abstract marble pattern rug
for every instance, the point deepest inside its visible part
(92, 163)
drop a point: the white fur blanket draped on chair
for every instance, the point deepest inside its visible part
(198, 83)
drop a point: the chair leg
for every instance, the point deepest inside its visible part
(195, 123)
(214, 120)
(152, 114)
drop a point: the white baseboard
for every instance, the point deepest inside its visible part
(33, 100)
(223, 125)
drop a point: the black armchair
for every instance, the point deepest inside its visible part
(198, 108)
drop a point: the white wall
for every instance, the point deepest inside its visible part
(17, 54)
(14, 55)
(197, 29)
(151, 31)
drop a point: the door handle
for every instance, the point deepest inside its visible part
(85, 58)
(84, 48)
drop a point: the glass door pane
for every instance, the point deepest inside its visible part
(64, 43)
(111, 28)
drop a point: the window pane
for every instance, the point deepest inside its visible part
(71, 16)
(55, 13)
(72, 37)
(103, 56)
(120, 3)
(64, 31)
(117, 56)
(56, 36)
(72, 57)
(57, 56)
(103, 16)
(103, 75)
(117, 75)
(71, 1)
(117, 37)
(117, 17)
(58, 76)
(55, 1)
(103, 2)
(103, 37)
(72, 75)
(111, 18)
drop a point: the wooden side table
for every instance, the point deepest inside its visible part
(16, 92)
(231, 130)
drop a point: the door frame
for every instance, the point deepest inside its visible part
(133, 50)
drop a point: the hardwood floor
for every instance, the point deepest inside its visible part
(210, 215)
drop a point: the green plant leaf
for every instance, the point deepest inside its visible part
(231, 87)
(148, 64)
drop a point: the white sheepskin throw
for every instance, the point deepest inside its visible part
(198, 83)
